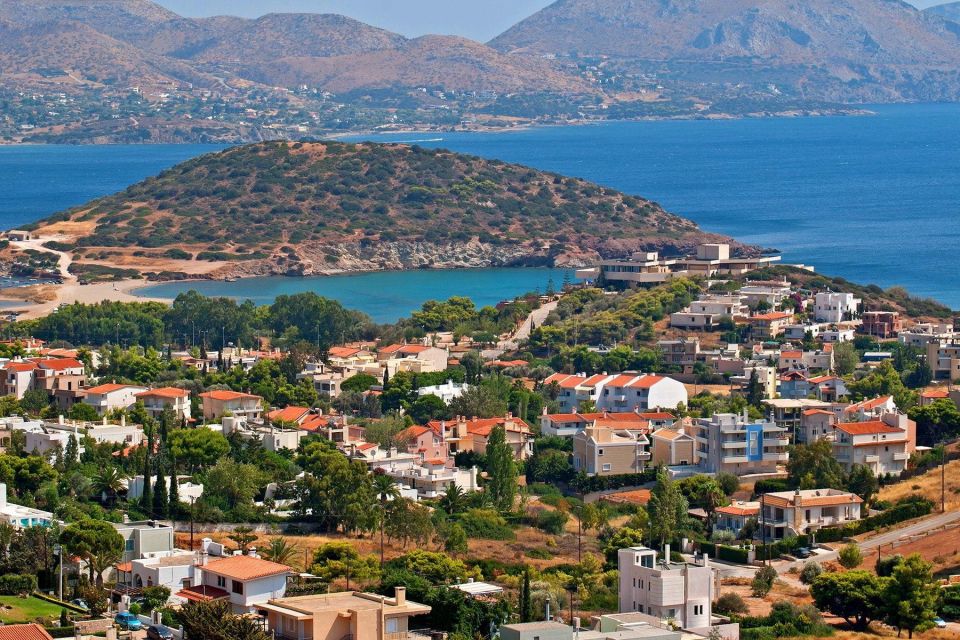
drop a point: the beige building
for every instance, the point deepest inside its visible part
(216, 404)
(706, 313)
(106, 398)
(336, 616)
(155, 401)
(766, 326)
(884, 444)
(793, 513)
(144, 538)
(604, 451)
(672, 447)
(413, 358)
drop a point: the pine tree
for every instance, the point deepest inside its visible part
(160, 495)
(526, 611)
(174, 502)
(667, 508)
(502, 485)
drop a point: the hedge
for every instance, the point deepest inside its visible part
(62, 632)
(13, 584)
(723, 552)
(60, 603)
(591, 484)
(905, 509)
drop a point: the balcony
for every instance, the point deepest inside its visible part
(871, 459)
(734, 459)
(776, 457)
(734, 444)
(902, 456)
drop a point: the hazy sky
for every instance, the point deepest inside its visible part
(477, 19)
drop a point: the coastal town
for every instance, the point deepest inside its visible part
(703, 446)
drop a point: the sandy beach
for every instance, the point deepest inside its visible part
(71, 291)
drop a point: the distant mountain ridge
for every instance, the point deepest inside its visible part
(865, 48)
(949, 11)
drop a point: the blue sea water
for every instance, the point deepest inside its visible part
(385, 296)
(874, 199)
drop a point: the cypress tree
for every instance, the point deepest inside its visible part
(160, 495)
(526, 612)
(502, 469)
(174, 505)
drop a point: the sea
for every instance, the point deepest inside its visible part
(875, 199)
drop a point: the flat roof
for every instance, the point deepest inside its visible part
(347, 600)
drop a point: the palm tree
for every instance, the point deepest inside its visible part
(280, 550)
(109, 483)
(452, 501)
(386, 490)
(100, 562)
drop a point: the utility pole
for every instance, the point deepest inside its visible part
(763, 528)
(192, 500)
(943, 477)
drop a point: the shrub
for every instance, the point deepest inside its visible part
(763, 581)
(730, 604)
(850, 556)
(486, 524)
(13, 584)
(810, 572)
(552, 522)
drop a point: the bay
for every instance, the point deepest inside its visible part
(385, 296)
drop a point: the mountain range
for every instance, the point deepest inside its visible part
(274, 76)
(950, 11)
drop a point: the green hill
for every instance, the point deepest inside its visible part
(317, 207)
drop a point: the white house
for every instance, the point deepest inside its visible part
(156, 401)
(446, 392)
(680, 592)
(110, 397)
(835, 307)
(707, 312)
(794, 513)
(244, 580)
(618, 393)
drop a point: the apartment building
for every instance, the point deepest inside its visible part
(835, 307)
(714, 259)
(680, 592)
(156, 401)
(766, 326)
(944, 360)
(604, 451)
(922, 334)
(788, 414)
(566, 425)
(618, 393)
(706, 313)
(641, 268)
(883, 444)
(773, 294)
(107, 398)
(63, 379)
(881, 324)
(339, 616)
(733, 443)
(793, 513)
(216, 404)
(473, 434)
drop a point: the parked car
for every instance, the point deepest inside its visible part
(940, 623)
(80, 603)
(803, 552)
(159, 632)
(127, 621)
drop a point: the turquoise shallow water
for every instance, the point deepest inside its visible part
(874, 199)
(385, 296)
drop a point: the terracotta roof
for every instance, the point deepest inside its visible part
(867, 428)
(20, 367)
(290, 414)
(565, 381)
(30, 631)
(567, 417)
(228, 395)
(109, 388)
(403, 348)
(125, 567)
(936, 393)
(817, 412)
(593, 381)
(366, 446)
(165, 392)
(867, 405)
(245, 567)
(59, 364)
(658, 415)
(202, 593)
(791, 354)
(621, 381)
(668, 434)
(793, 375)
(820, 379)
(776, 315)
(413, 432)
(740, 509)
(646, 382)
(507, 363)
(342, 352)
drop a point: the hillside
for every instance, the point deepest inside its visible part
(950, 11)
(310, 208)
(848, 50)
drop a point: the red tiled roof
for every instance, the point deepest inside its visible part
(739, 510)
(658, 415)
(32, 631)
(621, 381)
(820, 379)
(867, 405)
(593, 381)
(245, 567)
(290, 414)
(775, 315)
(108, 388)
(342, 352)
(20, 367)
(867, 428)
(202, 593)
(165, 392)
(791, 354)
(565, 381)
(646, 382)
(936, 393)
(817, 412)
(506, 363)
(59, 364)
(228, 395)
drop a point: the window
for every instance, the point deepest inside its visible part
(392, 626)
(221, 582)
(698, 609)
(238, 587)
(607, 467)
(128, 545)
(599, 452)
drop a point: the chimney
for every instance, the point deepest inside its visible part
(400, 596)
(60, 419)
(252, 552)
(666, 553)
(123, 419)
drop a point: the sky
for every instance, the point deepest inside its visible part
(477, 19)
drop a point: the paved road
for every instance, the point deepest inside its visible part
(523, 332)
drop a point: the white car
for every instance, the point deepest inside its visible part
(940, 622)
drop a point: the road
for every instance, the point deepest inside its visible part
(523, 331)
(63, 259)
